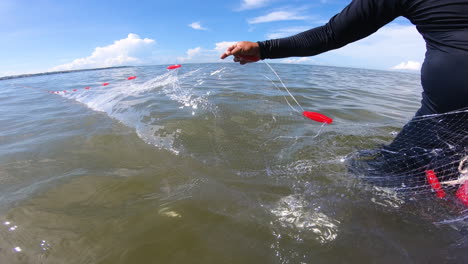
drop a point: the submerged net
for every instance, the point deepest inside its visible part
(259, 131)
(264, 165)
(427, 160)
(423, 166)
(427, 147)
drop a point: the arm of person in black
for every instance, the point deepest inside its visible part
(358, 20)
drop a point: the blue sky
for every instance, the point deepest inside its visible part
(45, 35)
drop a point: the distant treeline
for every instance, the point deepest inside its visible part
(57, 72)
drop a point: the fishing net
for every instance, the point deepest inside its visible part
(257, 129)
(428, 152)
(424, 164)
(240, 147)
(426, 160)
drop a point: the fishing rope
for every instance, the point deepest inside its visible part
(284, 86)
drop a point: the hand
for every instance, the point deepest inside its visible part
(243, 52)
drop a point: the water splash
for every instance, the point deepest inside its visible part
(142, 105)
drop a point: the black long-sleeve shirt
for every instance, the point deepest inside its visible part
(442, 23)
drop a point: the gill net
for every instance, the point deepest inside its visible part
(252, 124)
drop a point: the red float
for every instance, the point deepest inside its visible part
(317, 117)
(131, 78)
(105, 84)
(462, 193)
(174, 66)
(435, 184)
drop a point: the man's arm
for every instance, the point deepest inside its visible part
(359, 19)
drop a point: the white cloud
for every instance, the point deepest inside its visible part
(191, 54)
(252, 4)
(197, 26)
(285, 32)
(277, 16)
(409, 65)
(297, 60)
(222, 46)
(127, 51)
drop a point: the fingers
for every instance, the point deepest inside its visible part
(243, 52)
(228, 51)
(236, 50)
(241, 60)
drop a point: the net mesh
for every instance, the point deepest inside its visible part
(427, 160)
(259, 131)
(423, 166)
(303, 181)
(435, 143)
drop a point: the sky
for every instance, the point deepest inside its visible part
(51, 35)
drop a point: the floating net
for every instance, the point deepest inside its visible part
(260, 131)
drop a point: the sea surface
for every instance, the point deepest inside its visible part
(208, 163)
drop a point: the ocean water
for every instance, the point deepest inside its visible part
(209, 163)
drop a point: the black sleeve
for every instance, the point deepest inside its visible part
(358, 20)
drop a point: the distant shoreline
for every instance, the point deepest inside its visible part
(57, 72)
(119, 67)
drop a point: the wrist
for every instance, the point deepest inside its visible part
(261, 49)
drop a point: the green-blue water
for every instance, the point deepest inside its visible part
(206, 164)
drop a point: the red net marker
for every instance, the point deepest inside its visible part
(105, 84)
(87, 88)
(64, 91)
(435, 184)
(317, 117)
(462, 193)
(174, 66)
(75, 90)
(131, 78)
